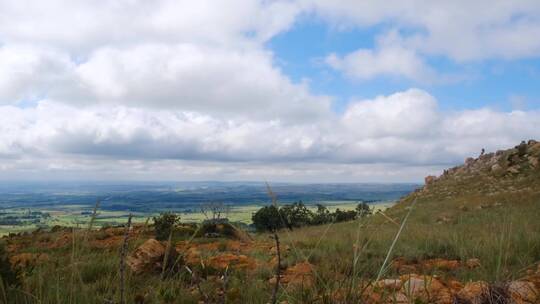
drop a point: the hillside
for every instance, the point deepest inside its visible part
(515, 170)
(470, 235)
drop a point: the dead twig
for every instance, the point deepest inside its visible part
(197, 280)
(225, 285)
(278, 269)
(123, 254)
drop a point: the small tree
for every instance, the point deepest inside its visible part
(165, 224)
(362, 209)
(267, 219)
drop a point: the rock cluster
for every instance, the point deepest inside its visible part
(499, 169)
(413, 288)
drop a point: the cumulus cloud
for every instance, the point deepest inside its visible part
(29, 73)
(385, 60)
(462, 30)
(405, 129)
(80, 26)
(131, 88)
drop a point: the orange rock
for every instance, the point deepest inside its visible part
(391, 284)
(25, 260)
(234, 246)
(472, 263)
(192, 256)
(473, 292)
(63, 240)
(225, 260)
(523, 292)
(149, 257)
(299, 274)
(108, 243)
(454, 285)
(440, 264)
(427, 289)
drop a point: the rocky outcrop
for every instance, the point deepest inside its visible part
(504, 165)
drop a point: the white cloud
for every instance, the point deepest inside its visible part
(78, 26)
(395, 60)
(396, 132)
(132, 88)
(461, 30)
(29, 73)
(196, 78)
(198, 56)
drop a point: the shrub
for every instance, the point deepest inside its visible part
(296, 215)
(522, 148)
(165, 224)
(342, 216)
(267, 219)
(362, 209)
(322, 216)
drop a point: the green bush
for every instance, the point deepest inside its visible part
(322, 216)
(271, 218)
(342, 216)
(362, 209)
(296, 215)
(267, 219)
(165, 224)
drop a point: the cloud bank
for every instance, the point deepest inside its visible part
(189, 90)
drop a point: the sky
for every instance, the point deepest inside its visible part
(297, 91)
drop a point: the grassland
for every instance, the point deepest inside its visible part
(502, 231)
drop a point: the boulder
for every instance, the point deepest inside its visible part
(523, 292)
(150, 257)
(534, 149)
(390, 284)
(474, 292)
(430, 179)
(426, 289)
(533, 161)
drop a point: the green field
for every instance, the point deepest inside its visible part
(78, 216)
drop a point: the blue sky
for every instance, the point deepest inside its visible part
(502, 84)
(283, 90)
